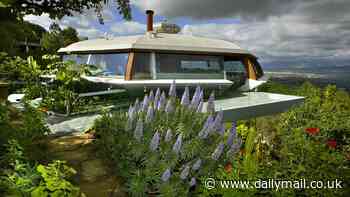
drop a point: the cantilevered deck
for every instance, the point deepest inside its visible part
(253, 104)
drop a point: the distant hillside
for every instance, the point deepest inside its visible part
(321, 75)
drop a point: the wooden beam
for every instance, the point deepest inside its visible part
(249, 68)
(129, 66)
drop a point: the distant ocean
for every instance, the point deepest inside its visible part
(321, 75)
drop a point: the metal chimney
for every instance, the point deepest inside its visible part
(149, 20)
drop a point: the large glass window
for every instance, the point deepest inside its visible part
(103, 64)
(235, 70)
(142, 66)
(109, 64)
(257, 68)
(76, 58)
(183, 66)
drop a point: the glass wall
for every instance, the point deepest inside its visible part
(109, 64)
(112, 64)
(235, 70)
(76, 58)
(183, 66)
(142, 66)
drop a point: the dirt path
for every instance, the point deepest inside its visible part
(94, 176)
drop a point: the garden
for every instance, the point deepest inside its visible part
(164, 145)
(158, 143)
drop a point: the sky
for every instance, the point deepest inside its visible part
(290, 33)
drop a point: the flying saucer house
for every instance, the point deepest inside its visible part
(158, 57)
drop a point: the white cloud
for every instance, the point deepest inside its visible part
(85, 23)
(298, 30)
(127, 28)
(280, 38)
(43, 20)
(91, 33)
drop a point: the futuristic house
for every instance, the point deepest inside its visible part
(159, 57)
(156, 59)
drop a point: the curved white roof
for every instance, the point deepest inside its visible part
(161, 41)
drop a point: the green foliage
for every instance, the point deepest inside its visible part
(25, 127)
(23, 179)
(57, 38)
(54, 181)
(15, 33)
(283, 149)
(61, 95)
(59, 9)
(20, 70)
(11, 67)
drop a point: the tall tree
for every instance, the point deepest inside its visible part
(57, 38)
(60, 8)
(70, 35)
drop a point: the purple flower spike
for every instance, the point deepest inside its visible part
(197, 165)
(156, 98)
(184, 173)
(185, 100)
(155, 142)
(131, 113)
(178, 144)
(197, 92)
(130, 108)
(233, 128)
(145, 103)
(161, 102)
(218, 151)
(196, 98)
(193, 182)
(137, 105)
(166, 175)
(209, 121)
(235, 147)
(232, 135)
(200, 107)
(230, 139)
(168, 135)
(207, 127)
(201, 95)
(211, 105)
(172, 90)
(169, 108)
(151, 96)
(150, 114)
(221, 129)
(218, 120)
(138, 133)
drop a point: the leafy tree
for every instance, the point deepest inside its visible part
(70, 35)
(59, 8)
(57, 38)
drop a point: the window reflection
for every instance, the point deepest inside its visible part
(235, 70)
(109, 64)
(103, 64)
(181, 66)
(76, 58)
(142, 66)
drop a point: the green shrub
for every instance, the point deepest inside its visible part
(22, 178)
(25, 127)
(158, 143)
(310, 142)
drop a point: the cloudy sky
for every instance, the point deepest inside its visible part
(293, 33)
